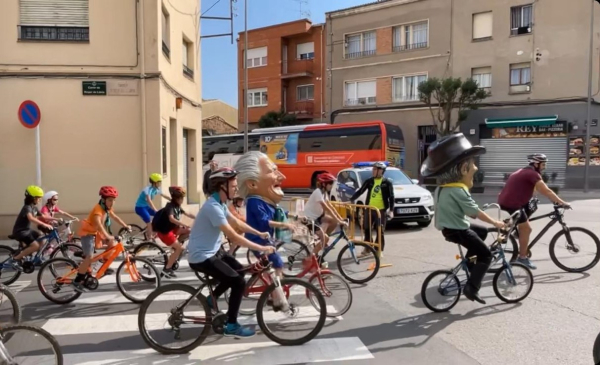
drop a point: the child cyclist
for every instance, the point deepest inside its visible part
(169, 228)
(452, 160)
(144, 207)
(22, 230)
(97, 227)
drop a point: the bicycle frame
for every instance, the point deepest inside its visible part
(5, 356)
(555, 217)
(340, 235)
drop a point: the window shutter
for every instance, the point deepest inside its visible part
(482, 25)
(304, 48)
(56, 13)
(366, 89)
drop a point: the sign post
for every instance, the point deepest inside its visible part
(30, 116)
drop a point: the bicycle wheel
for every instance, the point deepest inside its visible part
(8, 275)
(153, 319)
(154, 253)
(68, 250)
(305, 317)
(335, 291)
(23, 344)
(596, 350)
(518, 277)
(250, 257)
(129, 280)
(578, 251)
(49, 284)
(137, 234)
(358, 262)
(510, 247)
(448, 287)
(292, 253)
(254, 288)
(10, 310)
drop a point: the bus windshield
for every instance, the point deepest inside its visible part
(397, 176)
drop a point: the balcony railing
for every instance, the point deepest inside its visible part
(59, 34)
(166, 50)
(188, 72)
(298, 68)
(361, 54)
(303, 109)
(361, 101)
(408, 47)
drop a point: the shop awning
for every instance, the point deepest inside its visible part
(519, 122)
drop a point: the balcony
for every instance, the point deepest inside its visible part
(297, 68)
(408, 47)
(303, 109)
(188, 72)
(54, 33)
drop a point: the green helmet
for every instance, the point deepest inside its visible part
(34, 191)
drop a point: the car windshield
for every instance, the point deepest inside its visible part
(397, 176)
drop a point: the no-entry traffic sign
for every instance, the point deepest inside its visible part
(29, 114)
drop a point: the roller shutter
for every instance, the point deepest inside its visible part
(54, 13)
(505, 156)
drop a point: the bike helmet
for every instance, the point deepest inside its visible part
(380, 165)
(537, 158)
(49, 195)
(325, 178)
(177, 191)
(34, 191)
(156, 177)
(223, 174)
(108, 192)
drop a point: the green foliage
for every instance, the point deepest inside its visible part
(276, 119)
(442, 96)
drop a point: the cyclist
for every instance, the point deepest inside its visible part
(206, 255)
(144, 207)
(318, 208)
(452, 160)
(51, 207)
(169, 228)
(22, 230)
(96, 227)
(235, 208)
(517, 193)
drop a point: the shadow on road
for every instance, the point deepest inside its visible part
(560, 277)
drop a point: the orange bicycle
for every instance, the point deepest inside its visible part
(134, 273)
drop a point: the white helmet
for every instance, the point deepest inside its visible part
(49, 195)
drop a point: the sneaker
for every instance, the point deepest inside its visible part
(324, 265)
(525, 261)
(109, 271)
(15, 264)
(237, 331)
(168, 273)
(78, 286)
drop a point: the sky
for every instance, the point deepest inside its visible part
(219, 56)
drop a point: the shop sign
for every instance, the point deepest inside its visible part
(558, 129)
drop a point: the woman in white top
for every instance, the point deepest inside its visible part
(320, 210)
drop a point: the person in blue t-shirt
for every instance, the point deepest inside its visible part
(144, 207)
(205, 253)
(260, 183)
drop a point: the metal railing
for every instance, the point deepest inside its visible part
(188, 72)
(408, 47)
(361, 54)
(166, 50)
(52, 33)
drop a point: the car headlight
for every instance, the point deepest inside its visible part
(427, 197)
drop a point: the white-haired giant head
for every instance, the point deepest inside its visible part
(258, 175)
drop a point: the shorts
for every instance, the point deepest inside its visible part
(168, 238)
(523, 217)
(274, 259)
(87, 245)
(27, 237)
(145, 213)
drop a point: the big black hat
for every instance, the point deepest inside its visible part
(447, 152)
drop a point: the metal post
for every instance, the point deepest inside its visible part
(589, 105)
(38, 157)
(245, 76)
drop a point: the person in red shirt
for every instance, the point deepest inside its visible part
(517, 193)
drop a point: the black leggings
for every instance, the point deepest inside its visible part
(372, 224)
(223, 268)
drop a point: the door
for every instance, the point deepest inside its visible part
(427, 136)
(186, 162)
(284, 59)
(285, 100)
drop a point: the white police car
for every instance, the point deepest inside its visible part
(412, 202)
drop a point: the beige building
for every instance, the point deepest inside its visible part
(531, 56)
(118, 86)
(218, 117)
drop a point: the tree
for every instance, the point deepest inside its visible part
(276, 119)
(446, 95)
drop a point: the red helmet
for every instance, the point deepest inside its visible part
(176, 191)
(108, 192)
(325, 178)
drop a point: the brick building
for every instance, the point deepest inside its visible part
(285, 67)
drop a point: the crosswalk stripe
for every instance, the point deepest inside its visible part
(157, 321)
(248, 353)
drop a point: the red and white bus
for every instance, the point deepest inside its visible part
(302, 152)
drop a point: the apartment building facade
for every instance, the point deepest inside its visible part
(531, 56)
(285, 72)
(117, 83)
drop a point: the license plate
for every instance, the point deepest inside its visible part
(407, 210)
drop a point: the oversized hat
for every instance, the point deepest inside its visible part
(447, 152)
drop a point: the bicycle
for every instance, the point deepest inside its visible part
(557, 216)
(130, 236)
(450, 286)
(94, 274)
(52, 246)
(11, 315)
(175, 319)
(596, 350)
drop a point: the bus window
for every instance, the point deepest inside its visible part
(341, 139)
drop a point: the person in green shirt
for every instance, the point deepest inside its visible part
(452, 161)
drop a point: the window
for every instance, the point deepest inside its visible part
(482, 26)
(257, 57)
(166, 31)
(411, 36)
(257, 97)
(164, 150)
(305, 92)
(341, 139)
(360, 92)
(520, 78)
(482, 76)
(306, 51)
(361, 45)
(521, 19)
(54, 20)
(347, 178)
(187, 57)
(406, 88)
